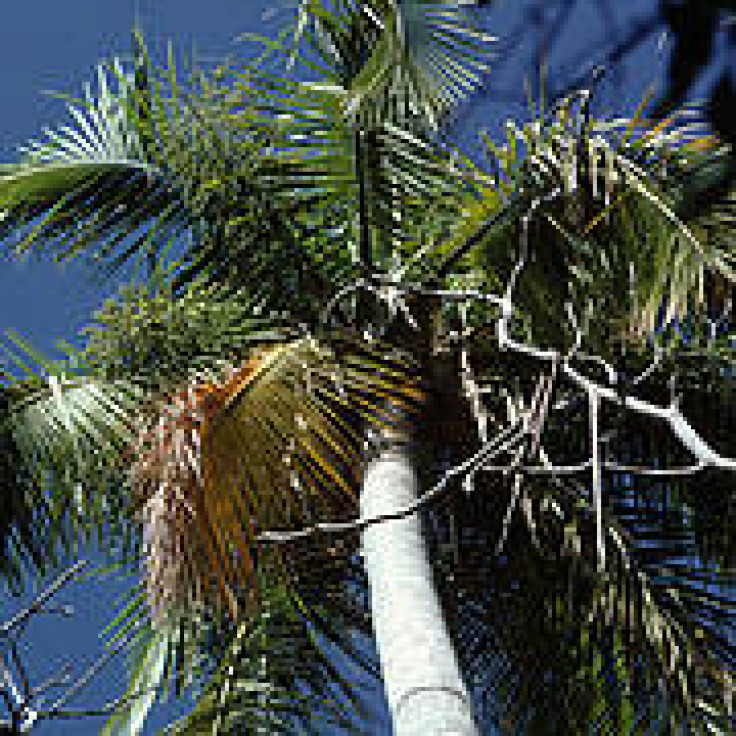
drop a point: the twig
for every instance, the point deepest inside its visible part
(532, 425)
(498, 445)
(515, 491)
(541, 416)
(94, 668)
(57, 680)
(597, 485)
(671, 414)
(12, 689)
(104, 710)
(25, 684)
(585, 466)
(22, 616)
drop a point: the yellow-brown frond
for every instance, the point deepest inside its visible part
(277, 443)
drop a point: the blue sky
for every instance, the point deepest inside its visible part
(52, 45)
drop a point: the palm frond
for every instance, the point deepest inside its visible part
(222, 164)
(399, 60)
(290, 405)
(282, 668)
(65, 434)
(88, 182)
(612, 236)
(278, 672)
(146, 334)
(28, 539)
(304, 192)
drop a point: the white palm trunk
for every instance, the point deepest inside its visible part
(425, 691)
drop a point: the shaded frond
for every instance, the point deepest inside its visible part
(279, 671)
(275, 669)
(148, 334)
(612, 237)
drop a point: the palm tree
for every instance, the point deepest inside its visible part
(282, 189)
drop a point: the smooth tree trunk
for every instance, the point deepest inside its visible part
(425, 691)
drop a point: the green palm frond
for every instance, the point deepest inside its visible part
(65, 434)
(148, 334)
(57, 402)
(87, 184)
(67, 424)
(27, 539)
(311, 191)
(398, 60)
(278, 673)
(274, 670)
(149, 659)
(612, 233)
(104, 134)
(163, 658)
(136, 171)
(551, 645)
(221, 164)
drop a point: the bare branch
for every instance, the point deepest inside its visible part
(25, 684)
(57, 680)
(504, 441)
(584, 467)
(106, 709)
(10, 689)
(670, 414)
(597, 485)
(22, 617)
(94, 668)
(24, 708)
(515, 492)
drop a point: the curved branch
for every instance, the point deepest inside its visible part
(504, 441)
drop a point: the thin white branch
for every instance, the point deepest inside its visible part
(37, 606)
(658, 353)
(8, 684)
(94, 668)
(594, 402)
(670, 414)
(394, 292)
(532, 421)
(105, 709)
(609, 369)
(57, 680)
(351, 288)
(540, 417)
(450, 294)
(584, 467)
(515, 492)
(500, 444)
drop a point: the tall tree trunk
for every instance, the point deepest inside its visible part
(424, 688)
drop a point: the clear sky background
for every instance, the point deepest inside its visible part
(54, 45)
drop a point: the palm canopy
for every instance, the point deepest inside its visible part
(288, 192)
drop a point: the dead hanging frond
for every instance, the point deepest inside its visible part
(275, 442)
